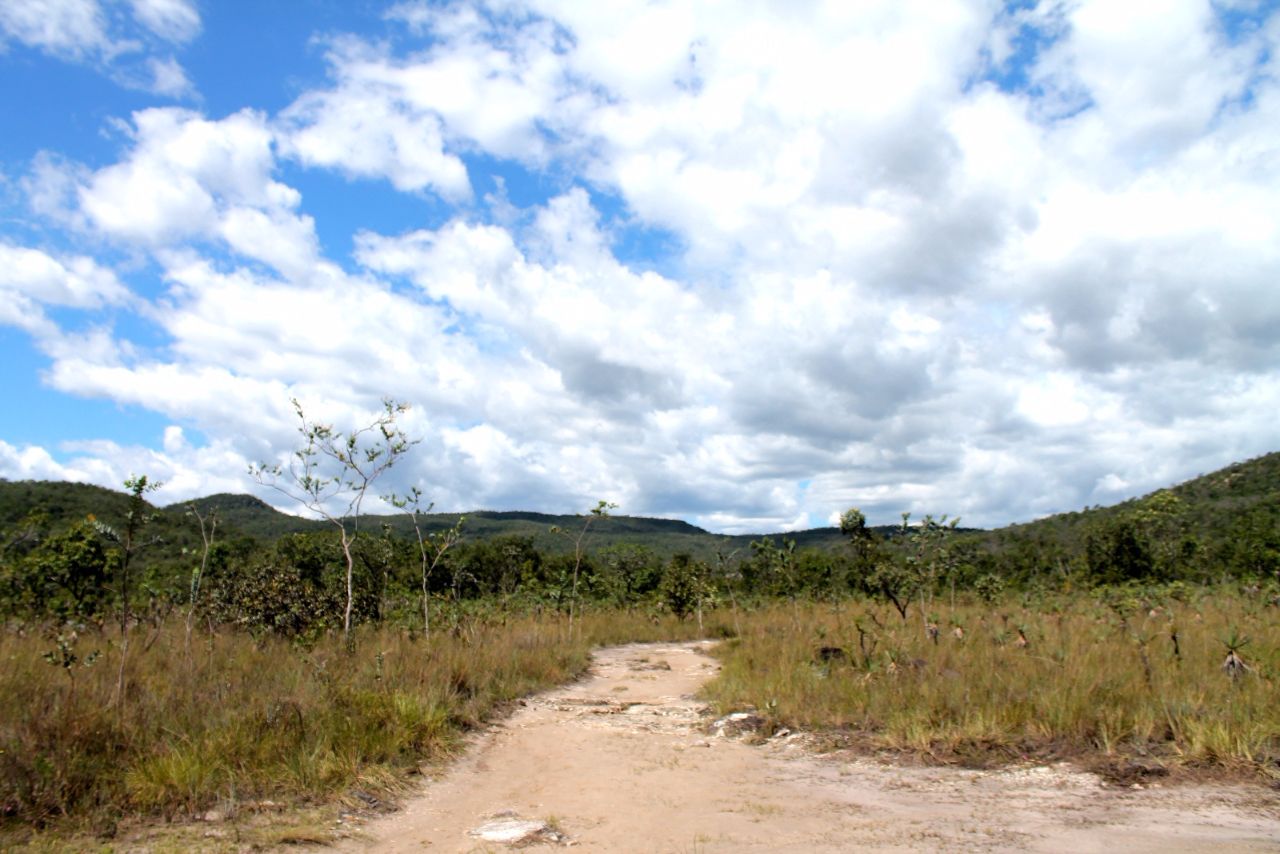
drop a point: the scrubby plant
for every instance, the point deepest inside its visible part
(331, 473)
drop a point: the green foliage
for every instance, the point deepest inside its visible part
(276, 596)
(685, 585)
(1217, 526)
(333, 468)
(65, 577)
(989, 588)
(627, 573)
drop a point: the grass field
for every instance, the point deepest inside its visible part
(1130, 678)
(230, 723)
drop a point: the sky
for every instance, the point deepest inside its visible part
(746, 264)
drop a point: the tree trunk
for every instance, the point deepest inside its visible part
(346, 615)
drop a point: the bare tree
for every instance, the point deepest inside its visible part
(331, 473)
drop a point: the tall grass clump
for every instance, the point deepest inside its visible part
(228, 718)
(1114, 677)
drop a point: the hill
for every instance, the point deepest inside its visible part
(1224, 522)
(247, 516)
(1240, 501)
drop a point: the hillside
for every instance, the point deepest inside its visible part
(250, 516)
(1227, 521)
(1243, 498)
(247, 516)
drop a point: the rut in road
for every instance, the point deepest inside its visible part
(622, 761)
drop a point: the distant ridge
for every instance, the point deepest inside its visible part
(1210, 501)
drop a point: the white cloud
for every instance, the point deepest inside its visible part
(897, 283)
(71, 28)
(76, 281)
(168, 78)
(187, 177)
(86, 31)
(172, 20)
(361, 129)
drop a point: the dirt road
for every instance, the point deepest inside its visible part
(621, 762)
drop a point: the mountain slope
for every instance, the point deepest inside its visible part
(1242, 496)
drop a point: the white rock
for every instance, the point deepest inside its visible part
(511, 831)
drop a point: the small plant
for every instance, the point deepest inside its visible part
(66, 657)
(1233, 665)
(130, 542)
(989, 588)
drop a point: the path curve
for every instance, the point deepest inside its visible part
(621, 761)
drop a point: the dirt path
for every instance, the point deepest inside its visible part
(620, 762)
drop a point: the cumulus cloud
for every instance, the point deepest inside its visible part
(31, 281)
(89, 31)
(77, 281)
(187, 177)
(933, 257)
(406, 120)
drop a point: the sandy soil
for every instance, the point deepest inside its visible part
(622, 762)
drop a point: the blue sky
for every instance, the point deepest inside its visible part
(742, 265)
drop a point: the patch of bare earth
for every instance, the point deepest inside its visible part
(622, 761)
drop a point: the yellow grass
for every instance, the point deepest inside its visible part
(1078, 687)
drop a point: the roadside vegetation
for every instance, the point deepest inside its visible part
(226, 721)
(1131, 682)
(160, 665)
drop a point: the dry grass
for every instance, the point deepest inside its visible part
(251, 728)
(229, 723)
(1094, 681)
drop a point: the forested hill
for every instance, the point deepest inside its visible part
(1241, 499)
(1224, 522)
(246, 516)
(1209, 501)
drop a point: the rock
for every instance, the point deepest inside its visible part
(214, 815)
(738, 723)
(510, 829)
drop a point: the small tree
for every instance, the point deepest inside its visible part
(600, 511)
(928, 556)
(208, 531)
(685, 586)
(331, 473)
(130, 542)
(67, 575)
(431, 547)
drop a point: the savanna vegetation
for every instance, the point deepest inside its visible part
(163, 662)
